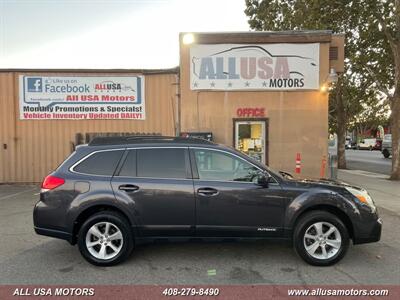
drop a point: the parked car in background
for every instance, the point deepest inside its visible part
(367, 144)
(348, 143)
(114, 193)
(387, 145)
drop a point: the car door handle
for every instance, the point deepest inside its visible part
(207, 191)
(128, 188)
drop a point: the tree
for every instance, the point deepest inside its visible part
(335, 15)
(369, 119)
(358, 99)
(379, 59)
(372, 35)
(345, 102)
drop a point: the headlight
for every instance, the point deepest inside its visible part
(363, 197)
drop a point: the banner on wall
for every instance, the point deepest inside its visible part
(81, 97)
(254, 67)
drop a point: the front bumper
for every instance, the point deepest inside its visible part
(370, 234)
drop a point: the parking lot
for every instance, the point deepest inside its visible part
(26, 258)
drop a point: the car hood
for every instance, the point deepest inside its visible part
(322, 183)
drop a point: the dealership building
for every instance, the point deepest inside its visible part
(264, 93)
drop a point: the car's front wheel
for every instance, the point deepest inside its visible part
(105, 239)
(321, 238)
(386, 153)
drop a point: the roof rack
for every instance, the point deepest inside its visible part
(138, 139)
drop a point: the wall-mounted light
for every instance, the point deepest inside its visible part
(327, 84)
(188, 38)
(324, 88)
(332, 77)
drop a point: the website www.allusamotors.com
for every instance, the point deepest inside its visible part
(338, 292)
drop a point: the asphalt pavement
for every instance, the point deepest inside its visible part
(27, 258)
(372, 161)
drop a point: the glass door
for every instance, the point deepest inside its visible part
(250, 139)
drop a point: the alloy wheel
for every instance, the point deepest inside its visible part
(104, 240)
(322, 240)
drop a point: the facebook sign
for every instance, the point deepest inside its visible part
(34, 84)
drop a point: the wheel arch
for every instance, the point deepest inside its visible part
(86, 213)
(331, 209)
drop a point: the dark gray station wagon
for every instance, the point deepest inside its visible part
(115, 193)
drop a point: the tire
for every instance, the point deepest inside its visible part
(116, 249)
(307, 224)
(385, 153)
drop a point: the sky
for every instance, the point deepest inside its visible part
(99, 34)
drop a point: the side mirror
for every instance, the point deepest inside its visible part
(286, 174)
(263, 179)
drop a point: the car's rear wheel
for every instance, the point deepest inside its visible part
(321, 238)
(105, 239)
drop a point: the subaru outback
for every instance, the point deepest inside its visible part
(118, 192)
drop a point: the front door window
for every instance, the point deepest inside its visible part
(221, 166)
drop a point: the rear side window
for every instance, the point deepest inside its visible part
(100, 163)
(162, 163)
(129, 167)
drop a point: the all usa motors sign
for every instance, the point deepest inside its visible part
(81, 98)
(254, 67)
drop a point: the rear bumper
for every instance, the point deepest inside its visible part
(55, 233)
(373, 234)
(49, 220)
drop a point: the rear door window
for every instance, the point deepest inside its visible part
(162, 163)
(100, 163)
(129, 167)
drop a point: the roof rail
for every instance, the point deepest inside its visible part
(151, 137)
(136, 139)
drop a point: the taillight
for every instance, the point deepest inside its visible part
(51, 182)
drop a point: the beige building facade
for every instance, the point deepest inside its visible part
(284, 123)
(274, 125)
(30, 149)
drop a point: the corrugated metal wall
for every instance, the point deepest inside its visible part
(30, 149)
